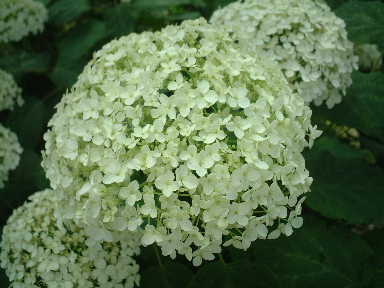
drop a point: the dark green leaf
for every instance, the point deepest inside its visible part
(315, 256)
(75, 50)
(185, 16)
(345, 186)
(28, 178)
(119, 20)
(64, 11)
(45, 2)
(375, 239)
(363, 106)
(153, 4)
(223, 275)
(19, 62)
(172, 275)
(365, 21)
(29, 122)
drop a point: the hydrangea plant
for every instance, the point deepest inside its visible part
(10, 92)
(18, 18)
(182, 134)
(306, 39)
(10, 151)
(38, 251)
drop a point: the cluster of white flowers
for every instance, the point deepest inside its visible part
(180, 133)
(370, 58)
(10, 151)
(306, 39)
(38, 251)
(10, 92)
(18, 18)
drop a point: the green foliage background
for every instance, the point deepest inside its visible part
(341, 243)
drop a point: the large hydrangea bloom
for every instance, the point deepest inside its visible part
(181, 133)
(306, 39)
(37, 251)
(10, 93)
(10, 151)
(18, 18)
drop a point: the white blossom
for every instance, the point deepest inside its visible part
(210, 139)
(18, 18)
(306, 39)
(39, 251)
(10, 151)
(10, 92)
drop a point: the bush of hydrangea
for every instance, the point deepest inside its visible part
(18, 18)
(10, 151)
(182, 134)
(38, 251)
(306, 39)
(10, 92)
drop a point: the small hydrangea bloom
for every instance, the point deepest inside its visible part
(10, 151)
(180, 133)
(18, 18)
(306, 39)
(10, 92)
(370, 58)
(38, 251)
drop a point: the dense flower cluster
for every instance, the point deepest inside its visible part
(18, 18)
(37, 251)
(305, 37)
(10, 93)
(370, 58)
(181, 133)
(10, 151)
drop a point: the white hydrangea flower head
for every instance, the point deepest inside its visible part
(10, 151)
(18, 18)
(10, 92)
(306, 39)
(38, 251)
(370, 58)
(180, 133)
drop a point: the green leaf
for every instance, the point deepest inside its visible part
(3, 279)
(185, 16)
(345, 186)
(120, 20)
(29, 122)
(45, 2)
(335, 3)
(19, 62)
(64, 11)
(375, 239)
(171, 275)
(315, 256)
(223, 275)
(75, 50)
(28, 178)
(153, 4)
(365, 21)
(363, 106)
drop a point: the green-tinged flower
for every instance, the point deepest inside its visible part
(182, 134)
(39, 251)
(370, 58)
(306, 39)
(10, 93)
(10, 151)
(18, 18)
